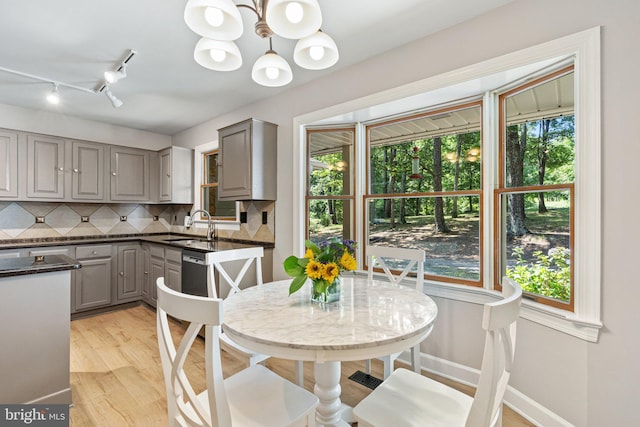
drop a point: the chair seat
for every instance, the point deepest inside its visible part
(241, 352)
(259, 397)
(421, 401)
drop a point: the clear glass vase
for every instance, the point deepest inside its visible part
(325, 294)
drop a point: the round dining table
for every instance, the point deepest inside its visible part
(373, 318)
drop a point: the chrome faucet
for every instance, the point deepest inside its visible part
(211, 229)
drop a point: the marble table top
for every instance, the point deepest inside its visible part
(370, 317)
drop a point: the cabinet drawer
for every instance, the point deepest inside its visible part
(50, 251)
(173, 255)
(96, 251)
(156, 251)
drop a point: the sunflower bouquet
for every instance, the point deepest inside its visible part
(322, 264)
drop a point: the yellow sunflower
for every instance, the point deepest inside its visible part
(331, 271)
(348, 262)
(314, 270)
(308, 254)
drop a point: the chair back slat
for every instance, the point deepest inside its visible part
(499, 321)
(181, 397)
(220, 261)
(380, 256)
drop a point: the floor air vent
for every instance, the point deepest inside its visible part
(366, 380)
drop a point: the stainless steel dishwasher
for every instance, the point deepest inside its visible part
(194, 272)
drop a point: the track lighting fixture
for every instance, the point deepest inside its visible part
(53, 97)
(219, 23)
(114, 100)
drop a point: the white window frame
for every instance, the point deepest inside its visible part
(584, 48)
(198, 174)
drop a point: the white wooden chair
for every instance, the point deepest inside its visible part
(408, 399)
(254, 396)
(378, 257)
(227, 264)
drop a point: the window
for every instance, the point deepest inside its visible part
(209, 190)
(330, 184)
(425, 189)
(535, 196)
(557, 169)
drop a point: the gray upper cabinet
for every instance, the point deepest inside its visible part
(175, 175)
(8, 164)
(45, 167)
(248, 157)
(87, 173)
(129, 174)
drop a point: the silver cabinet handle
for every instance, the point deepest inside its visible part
(113, 173)
(61, 169)
(122, 273)
(75, 171)
(94, 253)
(146, 272)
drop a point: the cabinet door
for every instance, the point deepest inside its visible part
(45, 167)
(157, 271)
(8, 164)
(165, 175)
(129, 174)
(146, 279)
(234, 169)
(173, 276)
(87, 179)
(129, 268)
(93, 284)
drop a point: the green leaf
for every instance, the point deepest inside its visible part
(292, 266)
(297, 283)
(310, 245)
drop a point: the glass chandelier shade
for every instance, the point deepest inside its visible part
(218, 55)
(214, 19)
(271, 70)
(294, 19)
(316, 52)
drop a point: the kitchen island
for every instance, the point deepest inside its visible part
(35, 329)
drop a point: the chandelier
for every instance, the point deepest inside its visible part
(219, 23)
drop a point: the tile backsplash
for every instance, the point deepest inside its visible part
(28, 220)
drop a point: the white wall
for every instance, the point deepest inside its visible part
(587, 384)
(48, 123)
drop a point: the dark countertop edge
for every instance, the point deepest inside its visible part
(115, 238)
(70, 264)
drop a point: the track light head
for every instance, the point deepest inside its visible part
(114, 76)
(114, 100)
(53, 97)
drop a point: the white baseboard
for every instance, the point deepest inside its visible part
(514, 399)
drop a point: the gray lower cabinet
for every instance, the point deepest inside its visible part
(173, 268)
(91, 286)
(161, 261)
(129, 268)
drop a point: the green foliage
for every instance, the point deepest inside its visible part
(549, 275)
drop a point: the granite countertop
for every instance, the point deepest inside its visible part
(36, 264)
(182, 241)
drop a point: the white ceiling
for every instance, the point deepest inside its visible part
(75, 41)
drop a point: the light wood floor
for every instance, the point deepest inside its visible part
(117, 380)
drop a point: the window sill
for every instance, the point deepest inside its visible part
(560, 320)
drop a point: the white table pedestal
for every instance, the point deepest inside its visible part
(331, 411)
